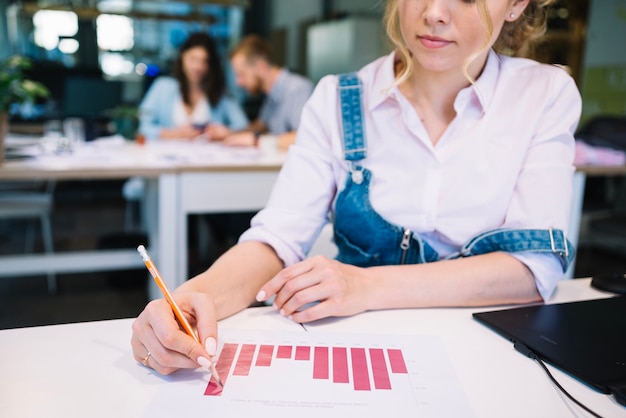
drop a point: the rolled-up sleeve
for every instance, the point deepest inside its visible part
(543, 192)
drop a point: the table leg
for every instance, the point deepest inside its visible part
(576, 216)
(162, 213)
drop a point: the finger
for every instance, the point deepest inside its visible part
(302, 299)
(278, 281)
(144, 340)
(206, 322)
(313, 313)
(170, 345)
(291, 297)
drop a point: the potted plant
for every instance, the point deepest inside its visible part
(14, 88)
(126, 118)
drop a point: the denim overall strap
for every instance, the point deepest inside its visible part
(363, 237)
(350, 90)
(519, 240)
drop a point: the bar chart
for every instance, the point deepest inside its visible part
(315, 374)
(341, 365)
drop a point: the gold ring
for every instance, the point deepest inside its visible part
(146, 359)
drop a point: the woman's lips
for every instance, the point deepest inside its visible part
(433, 42)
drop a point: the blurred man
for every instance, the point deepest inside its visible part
(286, 93)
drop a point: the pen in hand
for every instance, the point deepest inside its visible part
(182, 320)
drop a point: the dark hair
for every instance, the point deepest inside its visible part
(253, 47)
(214, 83)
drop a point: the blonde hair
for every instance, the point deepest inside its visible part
(515, 38)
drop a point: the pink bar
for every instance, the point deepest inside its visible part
(340, 365)
(396, 359)
(284, 351)
(223, 368)
(264, 359)
(242, 368)
(320, 363)
(303, 352)
(360, 374)
(379, 369)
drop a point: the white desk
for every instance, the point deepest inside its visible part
(183, 179)
(87, 369)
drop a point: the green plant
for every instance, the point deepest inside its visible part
(124, 111)
(14, 88)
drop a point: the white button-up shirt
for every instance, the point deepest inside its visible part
(505, 161)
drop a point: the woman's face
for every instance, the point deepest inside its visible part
(443, 34)
(195, 64)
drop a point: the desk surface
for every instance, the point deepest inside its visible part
(598, 170)
(87, 369)
(118, 160)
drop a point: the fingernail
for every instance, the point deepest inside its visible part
(274, 306)
(210, 345)
(282, 312)
(204, 363)
(260, 297)
(290, 317)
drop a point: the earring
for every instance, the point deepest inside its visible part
(512, 15)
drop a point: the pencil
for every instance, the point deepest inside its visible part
(182, 320)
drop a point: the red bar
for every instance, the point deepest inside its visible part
(340, 365)
(379, 369)
(396, 359)
(303, 353)
(320, 363)
(360, 374)
(223, 368)
(264, 359)
(244, 361)
(284, 351)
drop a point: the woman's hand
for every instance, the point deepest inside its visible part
(186, 132)
(241, 139)
(341, 290)
(216, 132)
(159, 342)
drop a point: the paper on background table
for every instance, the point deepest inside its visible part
(291, 381)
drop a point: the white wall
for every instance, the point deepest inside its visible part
(290, 14)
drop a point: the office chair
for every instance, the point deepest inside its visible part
(19, 201)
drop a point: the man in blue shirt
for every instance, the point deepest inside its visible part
(286, 93)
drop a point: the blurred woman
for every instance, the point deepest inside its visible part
(183, 106)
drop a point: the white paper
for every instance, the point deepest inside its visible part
(287, 387)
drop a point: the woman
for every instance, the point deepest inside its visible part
(465, 158)
(182, 107)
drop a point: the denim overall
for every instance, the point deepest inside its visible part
(365, 239)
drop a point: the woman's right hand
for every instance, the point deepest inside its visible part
(185, 133)
(159, 342)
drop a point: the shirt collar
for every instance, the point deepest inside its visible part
(479, 94)
(382, 82)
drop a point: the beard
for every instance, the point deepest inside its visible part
(256, 87)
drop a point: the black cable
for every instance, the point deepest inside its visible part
(528, 353)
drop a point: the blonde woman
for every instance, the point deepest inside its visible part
(445, 166)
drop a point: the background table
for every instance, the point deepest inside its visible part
(182, 179)
(87, 369)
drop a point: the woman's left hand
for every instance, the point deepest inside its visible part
(339, 288)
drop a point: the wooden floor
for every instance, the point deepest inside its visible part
(83, 219)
